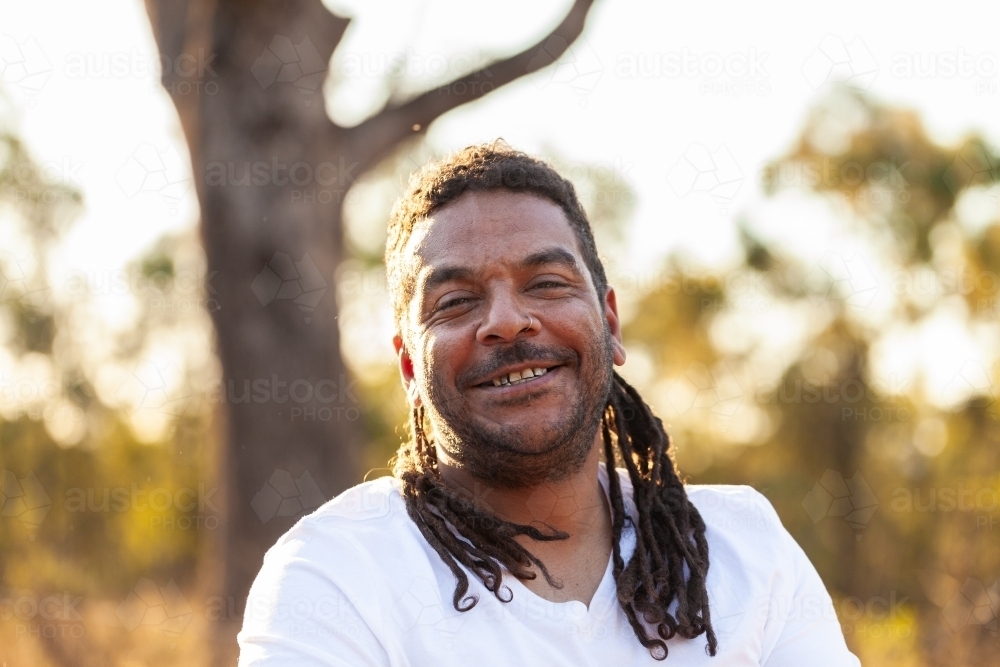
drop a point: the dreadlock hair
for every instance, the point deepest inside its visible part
(669, 531)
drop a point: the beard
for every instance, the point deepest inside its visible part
(506, 457)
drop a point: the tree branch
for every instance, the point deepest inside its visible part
(374, 139)
(180, 27)
(169, 23)
(214, 43)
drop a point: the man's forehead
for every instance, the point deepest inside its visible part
(488, 226)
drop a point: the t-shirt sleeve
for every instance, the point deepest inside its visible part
(298, 615)
(801, 627)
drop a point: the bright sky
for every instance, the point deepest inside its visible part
(100, 102)
(650, 89)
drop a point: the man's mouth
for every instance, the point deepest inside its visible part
(515, 377)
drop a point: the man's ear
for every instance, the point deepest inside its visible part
(614, 324)
(406, 370)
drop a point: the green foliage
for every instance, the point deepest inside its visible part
(928, 470)
(117, 512)
(86, 518)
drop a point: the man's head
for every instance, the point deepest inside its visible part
(493, 270)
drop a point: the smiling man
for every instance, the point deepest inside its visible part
(535, 517)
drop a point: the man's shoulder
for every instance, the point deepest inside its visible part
(725, 498)
(742, 528)
(321, 577)
(355, 520)
(368, 501)
(731, 512)
(733, 509)
(714, 499)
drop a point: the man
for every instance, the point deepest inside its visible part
(508, 534)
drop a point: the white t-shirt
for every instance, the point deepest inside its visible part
(355, 584)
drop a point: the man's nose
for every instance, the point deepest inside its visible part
(505, 319)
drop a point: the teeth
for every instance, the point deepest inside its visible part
(516, 377)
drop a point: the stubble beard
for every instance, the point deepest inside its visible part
(491, 454)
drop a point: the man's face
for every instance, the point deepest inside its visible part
(501, 287)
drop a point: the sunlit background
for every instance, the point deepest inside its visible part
(798, 208)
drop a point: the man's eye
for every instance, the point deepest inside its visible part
(453, 302)
(549, 283)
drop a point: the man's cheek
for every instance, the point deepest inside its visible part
(429, 368)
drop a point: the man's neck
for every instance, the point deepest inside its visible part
(576, 505)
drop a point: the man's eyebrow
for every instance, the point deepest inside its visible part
(443, 274)
(551, 256)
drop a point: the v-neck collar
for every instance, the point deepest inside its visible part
(605, 597)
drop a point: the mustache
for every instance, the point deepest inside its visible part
(518, 352)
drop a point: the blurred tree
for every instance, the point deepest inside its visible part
(766, 372)
(265, 242)
(74, 478)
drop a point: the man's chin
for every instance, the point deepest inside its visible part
(523, 455)
(508, 446)
(526, 436)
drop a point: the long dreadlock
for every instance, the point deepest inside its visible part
(670, 533)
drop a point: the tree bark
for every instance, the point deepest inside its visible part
(271, 170)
